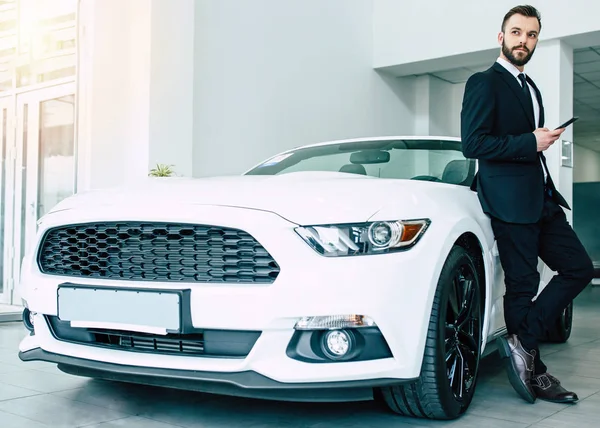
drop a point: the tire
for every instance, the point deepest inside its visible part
(560, 331)
(436, 395)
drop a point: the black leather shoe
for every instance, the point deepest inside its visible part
(519, 365)
(548, 388)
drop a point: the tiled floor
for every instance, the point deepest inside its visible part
(10, 313)
(36, 395)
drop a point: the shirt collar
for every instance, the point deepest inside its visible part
(509, 67)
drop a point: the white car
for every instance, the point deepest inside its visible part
(345, 270)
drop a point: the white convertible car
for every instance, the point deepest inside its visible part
(345, 270)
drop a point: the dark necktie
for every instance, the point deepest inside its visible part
(526, 93)
(523, 83)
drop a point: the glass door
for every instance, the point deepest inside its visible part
(45, 159)
(7, 154)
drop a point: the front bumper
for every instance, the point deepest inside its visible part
(242, 384)
(395, 290)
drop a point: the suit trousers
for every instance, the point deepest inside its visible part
(519, 245)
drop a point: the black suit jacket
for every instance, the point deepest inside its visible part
(497, 125)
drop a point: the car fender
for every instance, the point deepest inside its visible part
(451, 228)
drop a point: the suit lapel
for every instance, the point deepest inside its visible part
(512, 83)
(538, 95)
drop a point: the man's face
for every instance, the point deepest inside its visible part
(519, 39)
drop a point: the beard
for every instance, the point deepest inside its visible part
(508, 53)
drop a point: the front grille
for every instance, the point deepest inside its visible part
(170, 344)
(213, 343)
(169, 252)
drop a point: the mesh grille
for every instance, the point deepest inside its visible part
(156, 252)
(215, 343)
(150, 343)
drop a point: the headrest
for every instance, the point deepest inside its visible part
(354, 169)
(457, 172)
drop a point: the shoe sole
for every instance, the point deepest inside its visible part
(565, 401)
(513, 377)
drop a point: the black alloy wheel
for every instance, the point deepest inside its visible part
(560, 331)
(450, 365)
(463, 332)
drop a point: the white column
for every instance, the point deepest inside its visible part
(552, 70)
(171, 90)
(422, 111)
(135, 89)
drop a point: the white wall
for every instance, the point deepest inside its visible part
(135, 89)
(457, 95)
(113, 129)
(439, 28)
(438, 105)
(586, 165)
(443, 116)
(270, 75)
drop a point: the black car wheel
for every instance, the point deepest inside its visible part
(452, 351)
(560, 331)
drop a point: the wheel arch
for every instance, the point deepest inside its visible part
(471, 242)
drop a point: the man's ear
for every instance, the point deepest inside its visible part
(500, 38)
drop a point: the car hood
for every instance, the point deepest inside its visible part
(302, 197)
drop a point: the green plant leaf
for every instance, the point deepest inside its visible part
(161, 170)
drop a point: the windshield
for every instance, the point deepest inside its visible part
(431, 160)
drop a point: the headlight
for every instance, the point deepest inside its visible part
(363, 238)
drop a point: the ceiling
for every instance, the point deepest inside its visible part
(586, 93)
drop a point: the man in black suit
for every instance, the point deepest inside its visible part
(502, 123)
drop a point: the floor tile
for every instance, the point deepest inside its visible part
(132, 422)
(9, 392)
(10, 368)
(8, 420)
(12, 357)
(42, 381)
(58, 412)
(393, 421)
(585, 353)
(490, 394)
(560, 365)
(132, 399)
(249, 413)
(569, 420)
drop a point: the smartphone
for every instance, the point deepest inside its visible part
(567, 123)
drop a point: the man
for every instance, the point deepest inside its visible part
(503, 127)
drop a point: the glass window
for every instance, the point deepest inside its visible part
(3, 151)
(8, 43)
(56, 152)
(24, 179)
(47, 35)
(8, 17)
(430, 160)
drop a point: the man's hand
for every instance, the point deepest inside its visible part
(545, 138)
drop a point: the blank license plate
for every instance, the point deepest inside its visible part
(149, 311)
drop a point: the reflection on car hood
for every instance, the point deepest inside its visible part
(302, 197)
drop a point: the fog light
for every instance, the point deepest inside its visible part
(334, 322)
(28, 319)
(337, 344)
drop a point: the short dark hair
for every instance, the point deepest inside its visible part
(525, 10)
